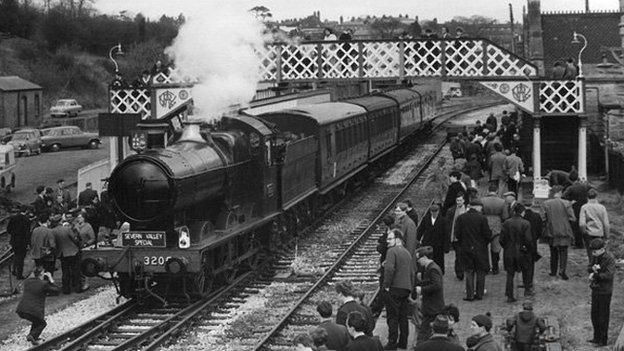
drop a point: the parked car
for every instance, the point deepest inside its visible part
(7, 167)
(25, 141)
(55, 138)
(65, 108)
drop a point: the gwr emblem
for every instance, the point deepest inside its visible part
(521, 92)
(167, 99)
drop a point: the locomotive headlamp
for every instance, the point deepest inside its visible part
(139, 141)
(184, 237)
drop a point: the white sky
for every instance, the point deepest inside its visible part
(332, 9)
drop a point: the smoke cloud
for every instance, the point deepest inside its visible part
(217, 47)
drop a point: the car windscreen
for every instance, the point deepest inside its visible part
(20, 136)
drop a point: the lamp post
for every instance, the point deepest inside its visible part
(115, 50)
(575, 40)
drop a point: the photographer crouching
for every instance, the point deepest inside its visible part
(32, 305)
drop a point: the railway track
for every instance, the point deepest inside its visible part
(143, 327)
(358, 263)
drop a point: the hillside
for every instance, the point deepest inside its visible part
(66, 73)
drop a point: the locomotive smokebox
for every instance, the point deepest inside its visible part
(148, 186)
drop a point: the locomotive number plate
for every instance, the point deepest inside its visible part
(143, 239)
(155, 260)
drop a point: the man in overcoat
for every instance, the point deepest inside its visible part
(406, 225)
(433, 232)
(18, 228)
(473, 233)
(429, 285)
(517, 256)
(455, 188)
(601, 271)
(558, 214)
(495, 210)
(451, 219)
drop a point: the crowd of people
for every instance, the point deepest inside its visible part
(50, 234)
(478, 227)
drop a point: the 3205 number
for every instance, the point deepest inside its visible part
(155, 260)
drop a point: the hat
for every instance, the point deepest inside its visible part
(483, 321)
(423, 251)
(440, 324)
(510, 193)
(596, 244)
(56, 218)
(434, 208)
(527, 305)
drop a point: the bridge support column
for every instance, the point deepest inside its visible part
(582, 148)
(537, 149)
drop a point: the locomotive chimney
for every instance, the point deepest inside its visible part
(191, 133)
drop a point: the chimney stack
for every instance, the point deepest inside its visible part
(534, 40)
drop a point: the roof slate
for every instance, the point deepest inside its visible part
(15, 83)
(600, 29)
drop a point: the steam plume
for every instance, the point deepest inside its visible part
(216, 45)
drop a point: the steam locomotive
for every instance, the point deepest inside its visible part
(211, 202)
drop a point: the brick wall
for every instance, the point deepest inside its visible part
(10, 109)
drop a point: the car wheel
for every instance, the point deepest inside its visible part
(55, 147)
(93, 144)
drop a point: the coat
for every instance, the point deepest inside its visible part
(602, 282)
(536, 226)
(497, 166)
(432, 285)
(487, 343)
(408, 228)
(337, 335)
(42, 237)
(495, 210)
(19, 229)
(517, 244)
(454, 189)
(39, 205)
(451, 221)
(436, 235)
(523, 325)
(33, 298)
(513, 165)
(365, 343)
(438, 343)
(398, 268)
(86, 197)
(473, 233)
(67, 241)
(558, 215)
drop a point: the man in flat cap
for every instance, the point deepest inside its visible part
(473, 233)
(516, 240)
(429, 286)
(558, 214)
(601, 271)
(523, 326)
(433, 231)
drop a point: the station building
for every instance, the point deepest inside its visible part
(568, 139)
(21, 102)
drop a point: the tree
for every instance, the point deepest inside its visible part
(9, 16)
(387, 28)
(261, 12)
